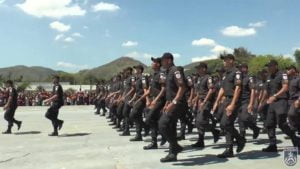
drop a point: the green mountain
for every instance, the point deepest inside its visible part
(25, 73)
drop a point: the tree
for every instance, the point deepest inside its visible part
(23, 86)
(297, 57)
(258, 63)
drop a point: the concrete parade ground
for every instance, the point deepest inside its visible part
(86, 141)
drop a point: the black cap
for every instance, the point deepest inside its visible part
(128, 69)
(55, 77)
(167, 56)
(230, 56)
(291, 67)
(201, 65)
(272, 63)
(9, 82)
(139, 67)
(157, 60)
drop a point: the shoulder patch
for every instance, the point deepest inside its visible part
(177, 75)
(284, 76)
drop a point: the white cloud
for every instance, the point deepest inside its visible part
(220, 49)
(176, 55)
(202, 58)
(136, 54)
(204, 42)
(71, 65)
(2, 1)
(258, 24)
(59, 37)
(51, 8)
(235, 31)
(295, 48)
(130, 44)
(69, 39)
(102, 6)
(216, 49)
(60, 27)
(85, 27)
(76, 34)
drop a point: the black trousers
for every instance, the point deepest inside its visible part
(167, 125)
(227, 122)
(52, 114)
(245, 119)
(119, 112)
(9, 116)
(277, 115)
(126, 111)
(152, 118)
(136, 116)
(294, 117)
(202, 120)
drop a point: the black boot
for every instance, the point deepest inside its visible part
(181, 137)
(125, 133)
(270, 148)
(8, 131)
(228, 153)
(169, 158)
(256, 132)
(19, 124)
(163, 141)
(152, 145)
(200, 142)
(146, 131)
(138, 137)
(60, 124)
(190, 128)
(240, 145)
(216, 135)
(53, 134)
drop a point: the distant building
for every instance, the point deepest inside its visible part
(66, 85)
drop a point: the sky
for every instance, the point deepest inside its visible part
(71, 35)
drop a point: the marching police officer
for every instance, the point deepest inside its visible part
(139, 102)
(277, 89)
(294, 98)
(245, 111)
(231, 88)
(57, 102)
(155, 100)
(129, 89)
(205, 90)
(176, 103)
(10, 107)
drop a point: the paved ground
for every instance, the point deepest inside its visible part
(88, 142)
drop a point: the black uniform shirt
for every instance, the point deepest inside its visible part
(231, 79)
(174, 79)
(57, 90)
(13, 93)
(294, 88)
(275, 82)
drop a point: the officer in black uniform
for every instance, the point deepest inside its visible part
(262, 108)
(102, 98)
(129, 89)
(155, 100)
(139, 102)
(97, 92)
(205, 90)
(176, 104)
(231, 89)
(245, 111)
(294, 98)
(277, 89)
(57, 102)
(10, 107)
